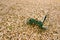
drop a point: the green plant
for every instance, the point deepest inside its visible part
(36, 22)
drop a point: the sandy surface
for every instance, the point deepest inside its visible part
(15, 13)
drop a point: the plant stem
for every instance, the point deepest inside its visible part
(45, 18)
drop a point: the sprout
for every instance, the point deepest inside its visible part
(36, 22)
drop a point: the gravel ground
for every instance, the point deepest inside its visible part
(15, 13)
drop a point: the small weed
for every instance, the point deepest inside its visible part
(36, 22)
